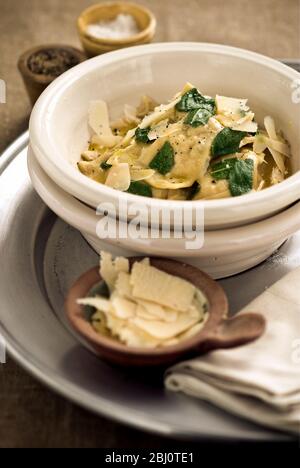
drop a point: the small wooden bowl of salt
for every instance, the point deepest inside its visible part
(110, 26)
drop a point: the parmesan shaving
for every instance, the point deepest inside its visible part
(110, 269)
(123, 286)
(99, 122)
(165, 331)
(122, 308)
(137, 174)
(160, 112)
(278, 146)
(147, 307)
(278, 158)
(157, 311)
(246, 126)
(231, 106)
(119, 177)
(164, 129)
(154, 285)
(130, 114)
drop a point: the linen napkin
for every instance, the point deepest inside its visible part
(259, 381)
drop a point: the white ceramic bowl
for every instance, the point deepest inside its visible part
(59, 130)
(224, 253)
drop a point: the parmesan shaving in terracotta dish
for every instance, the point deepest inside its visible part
(144, 306)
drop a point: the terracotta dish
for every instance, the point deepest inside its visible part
(218, 331)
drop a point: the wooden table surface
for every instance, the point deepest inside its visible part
(31, 415)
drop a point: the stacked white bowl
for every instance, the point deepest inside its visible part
(240, 232)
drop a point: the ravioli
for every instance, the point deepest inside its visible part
(172, 147)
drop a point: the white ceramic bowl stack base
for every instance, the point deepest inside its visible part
(225, 252)
(240, 231)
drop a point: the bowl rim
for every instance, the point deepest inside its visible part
(58, 169)
(148, 30)
(216, 296)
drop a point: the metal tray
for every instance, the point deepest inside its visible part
(40, 258)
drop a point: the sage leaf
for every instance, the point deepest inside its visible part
(241, 177)
(164, 159)
(198, 117)
(140, 188)
(192, 100)
(226, 142)
(141, 135)
(221, 170)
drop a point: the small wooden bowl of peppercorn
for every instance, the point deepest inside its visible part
(41, 65)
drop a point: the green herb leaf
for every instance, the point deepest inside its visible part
(221, 170)
(100, 289)
(241, 177)
(140, 188)
(105, 166)
(227, 141)
(198, 117)
(164, 159)
(199, 108)
(141, 135)
(192, 100)
(238, 172)
(193, 191)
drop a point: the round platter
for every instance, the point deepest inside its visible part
(40, 257)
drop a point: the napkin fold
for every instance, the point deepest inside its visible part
(259, 381)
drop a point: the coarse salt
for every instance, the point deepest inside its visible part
(120, 27)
